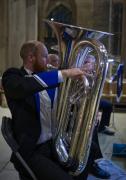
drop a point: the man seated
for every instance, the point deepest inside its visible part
(30, 93)
(54, 60)
(105, 107)
(24, 89)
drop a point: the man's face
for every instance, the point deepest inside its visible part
(40, 60)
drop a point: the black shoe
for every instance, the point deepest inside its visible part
(98, 172)
(107, 131)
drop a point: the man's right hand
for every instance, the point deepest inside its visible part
(74, 73)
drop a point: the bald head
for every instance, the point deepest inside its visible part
(28, 48)
(54, 60)
(90, 59)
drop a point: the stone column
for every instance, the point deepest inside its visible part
(3, 34)
(31, 19)
(17, 31)
(22, 27)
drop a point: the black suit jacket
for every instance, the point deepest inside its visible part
(20, 94)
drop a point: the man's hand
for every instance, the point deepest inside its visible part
(75, 73)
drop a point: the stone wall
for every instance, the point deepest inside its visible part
(21, 20)
(3, 35)
(18, 22)
(85, 13)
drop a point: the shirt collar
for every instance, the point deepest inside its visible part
(28, 71)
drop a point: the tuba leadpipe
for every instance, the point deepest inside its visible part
(78, 100)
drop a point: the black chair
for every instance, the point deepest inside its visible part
(7, 133)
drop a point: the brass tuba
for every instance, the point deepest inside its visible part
(78, 100)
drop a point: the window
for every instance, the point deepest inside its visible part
(60, 14)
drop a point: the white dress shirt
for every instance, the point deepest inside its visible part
(47, 113)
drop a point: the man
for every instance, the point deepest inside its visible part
(54, 60)
(31, 130)
(105, 107)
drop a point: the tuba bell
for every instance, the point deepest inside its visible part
(78, 100)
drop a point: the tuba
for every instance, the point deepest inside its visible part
(78, 100)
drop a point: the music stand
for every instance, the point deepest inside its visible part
(118, 78)
(119, 149)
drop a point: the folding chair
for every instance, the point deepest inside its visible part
(7, 133)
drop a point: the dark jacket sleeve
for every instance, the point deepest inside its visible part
(17, 85)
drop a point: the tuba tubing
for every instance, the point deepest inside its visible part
(78, 100)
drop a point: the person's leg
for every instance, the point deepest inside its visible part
(95, 150)
(95, 153)
(44, 167)
(95, 146)
(106, 108)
